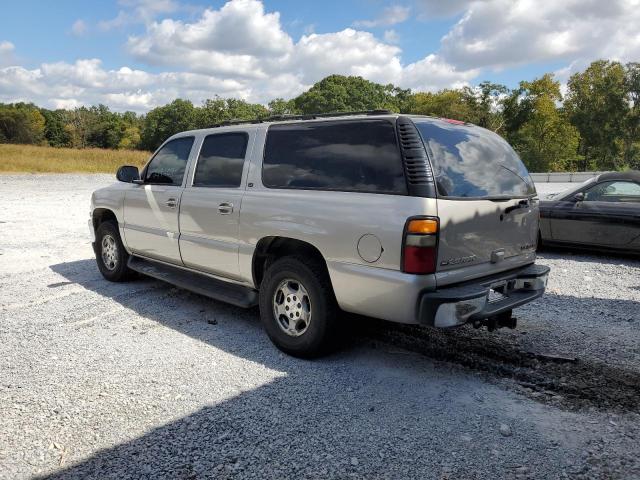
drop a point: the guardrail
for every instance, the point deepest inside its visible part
(563, 177)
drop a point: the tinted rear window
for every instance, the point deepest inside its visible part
(221, 160)
(472, 162)
(351, 156)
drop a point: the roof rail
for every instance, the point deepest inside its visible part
(305, 116)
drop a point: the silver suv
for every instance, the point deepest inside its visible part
(405, 218)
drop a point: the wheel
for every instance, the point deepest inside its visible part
(297, 307)
(110, 253)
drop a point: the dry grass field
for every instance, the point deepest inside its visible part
(33, 159)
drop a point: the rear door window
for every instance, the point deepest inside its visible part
(221, 160)
(350, 156)
(471, 162)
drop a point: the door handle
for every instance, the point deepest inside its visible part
(225, 208)
(171, 203)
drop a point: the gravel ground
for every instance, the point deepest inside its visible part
(143, 380)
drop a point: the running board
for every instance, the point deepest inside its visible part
(195, 282)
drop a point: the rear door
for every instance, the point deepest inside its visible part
(151, 209)
(210, 206)
(487, 201)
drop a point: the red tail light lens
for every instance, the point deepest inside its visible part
(420, 246)
(419, 259)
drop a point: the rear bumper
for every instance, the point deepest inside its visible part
(457, 305)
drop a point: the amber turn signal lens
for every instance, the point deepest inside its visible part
(422, 226)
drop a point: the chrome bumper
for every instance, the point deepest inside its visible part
(482, 298)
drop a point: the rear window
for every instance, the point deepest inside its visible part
(471, 162)
(350, 156)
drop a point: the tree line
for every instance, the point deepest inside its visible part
(595, 125)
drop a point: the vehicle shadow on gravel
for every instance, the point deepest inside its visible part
(269, 427)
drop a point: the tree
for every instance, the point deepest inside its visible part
(280, 106)
(445, 103)
(162, 122)
(21, 123)
(337, 93)
(479, 105)
(487, 107)
(598, 105)
(538, 129)
(217, 110)
(632, 123)
(54, 131)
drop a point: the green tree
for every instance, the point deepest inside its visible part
(487, 105)
(280, 106)
(598, 105)
(632, 123)
(217, 110)
(445, 103)
(479, 105)
(337, 93)
(162, 122)
(21, 123)
(538, 129)
(54, 131)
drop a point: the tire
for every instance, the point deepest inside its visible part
(539, 245)
(310, 310)
(113, 263)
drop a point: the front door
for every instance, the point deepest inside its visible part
(210, 207)
(608, 216)
(151, 209)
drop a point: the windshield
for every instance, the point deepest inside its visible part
(471, 162)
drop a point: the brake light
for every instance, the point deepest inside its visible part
(420, 249)
(452, 121)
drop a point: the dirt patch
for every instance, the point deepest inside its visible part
(548, 377)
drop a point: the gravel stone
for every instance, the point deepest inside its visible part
(84, 394)
(505, 430)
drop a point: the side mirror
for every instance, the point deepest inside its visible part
(128, 174)
(578, 197)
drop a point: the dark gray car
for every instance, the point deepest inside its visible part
(602, 213)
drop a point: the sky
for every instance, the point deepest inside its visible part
(139, 54)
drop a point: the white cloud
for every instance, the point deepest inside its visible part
(390, 16)
(500, 33)
(79, 28)
(85, 82)
(238, 50)
(243, 42)
(349, 52)
(433, 73)
(7, 56)
(138, 11)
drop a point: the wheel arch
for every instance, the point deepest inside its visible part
(268, 249)
(101, 215)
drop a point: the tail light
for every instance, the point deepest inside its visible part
(420, 249)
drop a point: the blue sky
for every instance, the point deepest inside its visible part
(136, 54)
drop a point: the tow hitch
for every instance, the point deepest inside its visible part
(502, 320)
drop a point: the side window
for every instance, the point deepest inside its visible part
(350, 156)
(221, 160)
(169, 164)
(619, 191)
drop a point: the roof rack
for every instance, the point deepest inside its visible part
(306, 116)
